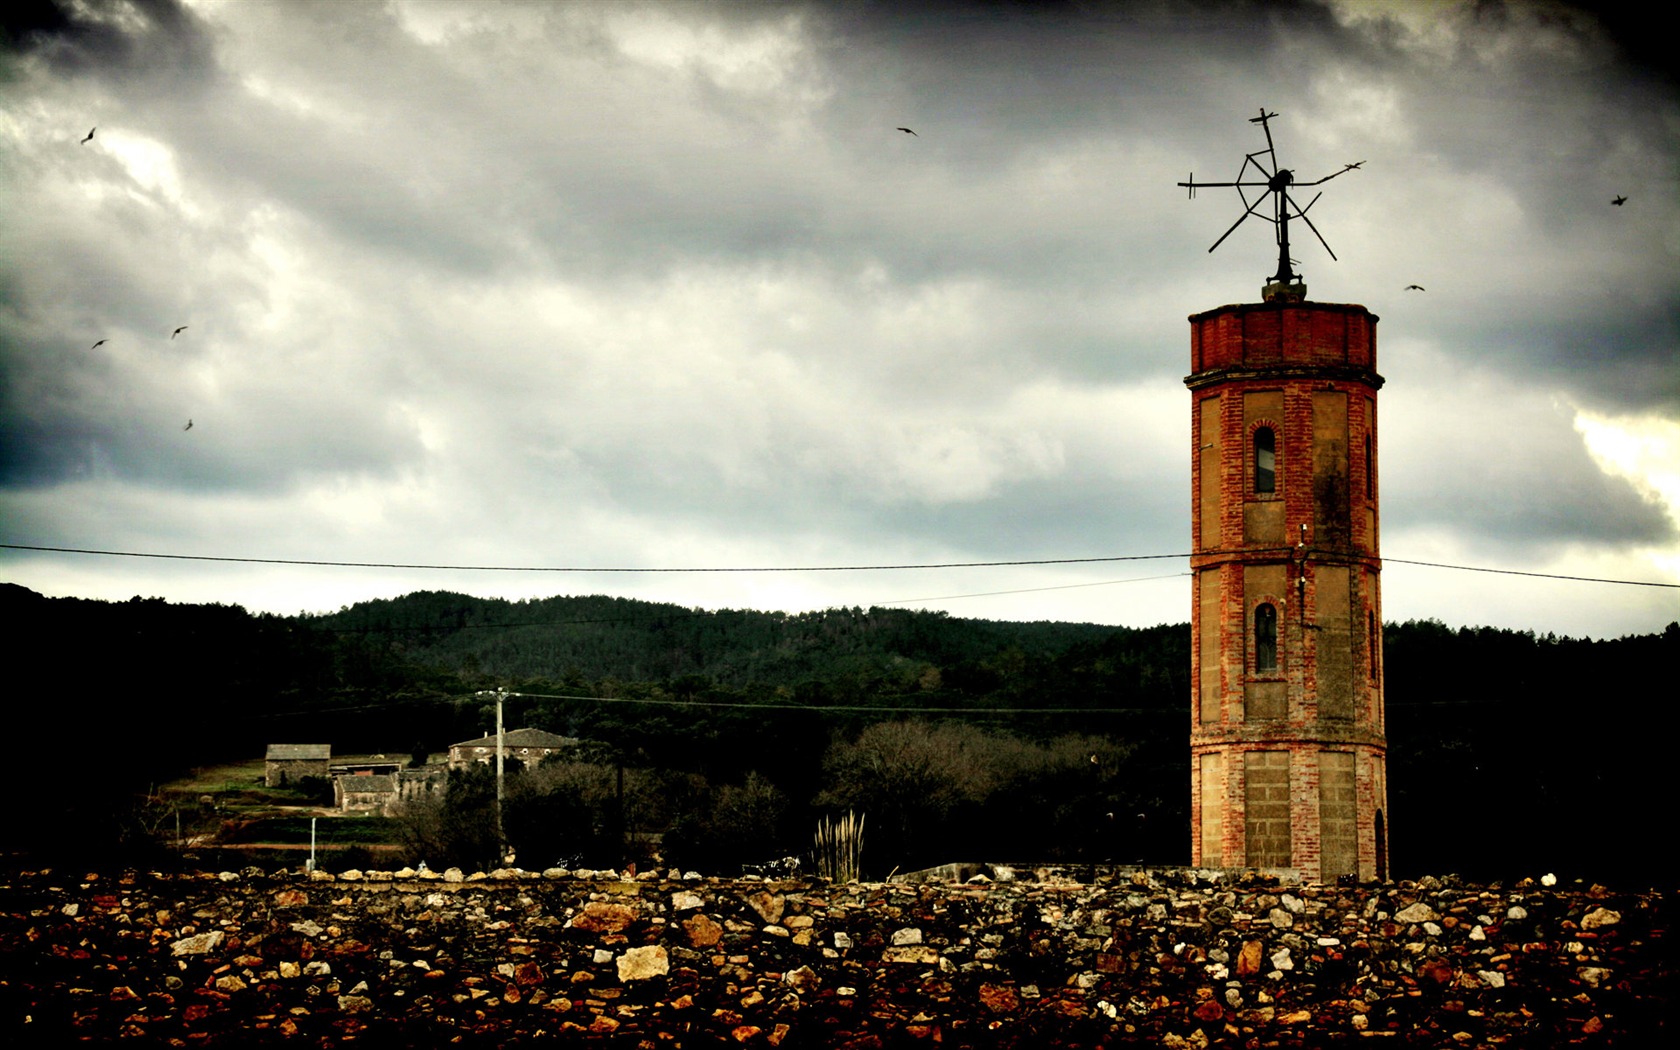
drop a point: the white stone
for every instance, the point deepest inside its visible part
(639, 964)
(198, 944)
(1419, 912)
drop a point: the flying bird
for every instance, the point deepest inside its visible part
(97, 345)
(1619, 201)
(90, 134)
(188, 426)
(1413, 288)
(177, 331)
(907, 131)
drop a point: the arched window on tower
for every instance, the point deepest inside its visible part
(1265, 639)
(1265, 460)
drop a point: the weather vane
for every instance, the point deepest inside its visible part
(1273, 181)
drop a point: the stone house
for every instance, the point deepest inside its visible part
(368, 793)
(379, 793)
(286, 764)
(530, 746)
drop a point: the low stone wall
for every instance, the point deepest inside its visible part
(1166, 959)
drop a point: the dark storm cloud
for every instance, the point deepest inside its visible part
(658, 281)
(124, 44)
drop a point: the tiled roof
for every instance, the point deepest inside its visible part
(285, 752)
(383, 785)
(523, 738)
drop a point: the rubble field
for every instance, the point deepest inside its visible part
(1169, 958)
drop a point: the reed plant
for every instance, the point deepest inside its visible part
(839, 848)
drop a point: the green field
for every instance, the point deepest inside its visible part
(329, 831)
(247, 814)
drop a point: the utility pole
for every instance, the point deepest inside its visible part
(501, 757)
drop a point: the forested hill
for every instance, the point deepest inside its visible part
(1503, 745)
(596, 638)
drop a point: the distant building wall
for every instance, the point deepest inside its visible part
(529, 746)
(286, 764)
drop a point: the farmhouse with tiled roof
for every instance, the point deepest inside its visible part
(530, 746)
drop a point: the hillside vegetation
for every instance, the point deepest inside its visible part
(730, 732)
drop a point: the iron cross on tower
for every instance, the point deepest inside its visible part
(1276, 182)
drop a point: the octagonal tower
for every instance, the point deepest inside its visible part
(1288, 755)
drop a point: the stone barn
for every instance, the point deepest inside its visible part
(286, 764)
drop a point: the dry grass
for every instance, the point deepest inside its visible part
(232, 776)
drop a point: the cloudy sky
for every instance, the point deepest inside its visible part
(661, 286)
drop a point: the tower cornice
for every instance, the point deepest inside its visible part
(1282, 373)
(1278, 305)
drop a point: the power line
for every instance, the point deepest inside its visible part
(408, 703)
(860, 707)
(765, 568)
(1035, 590)
(1541, 575)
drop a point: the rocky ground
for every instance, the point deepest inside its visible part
(1170, 959)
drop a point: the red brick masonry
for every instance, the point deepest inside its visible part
(1288, 752)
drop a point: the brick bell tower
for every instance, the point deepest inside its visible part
(1288, 755)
